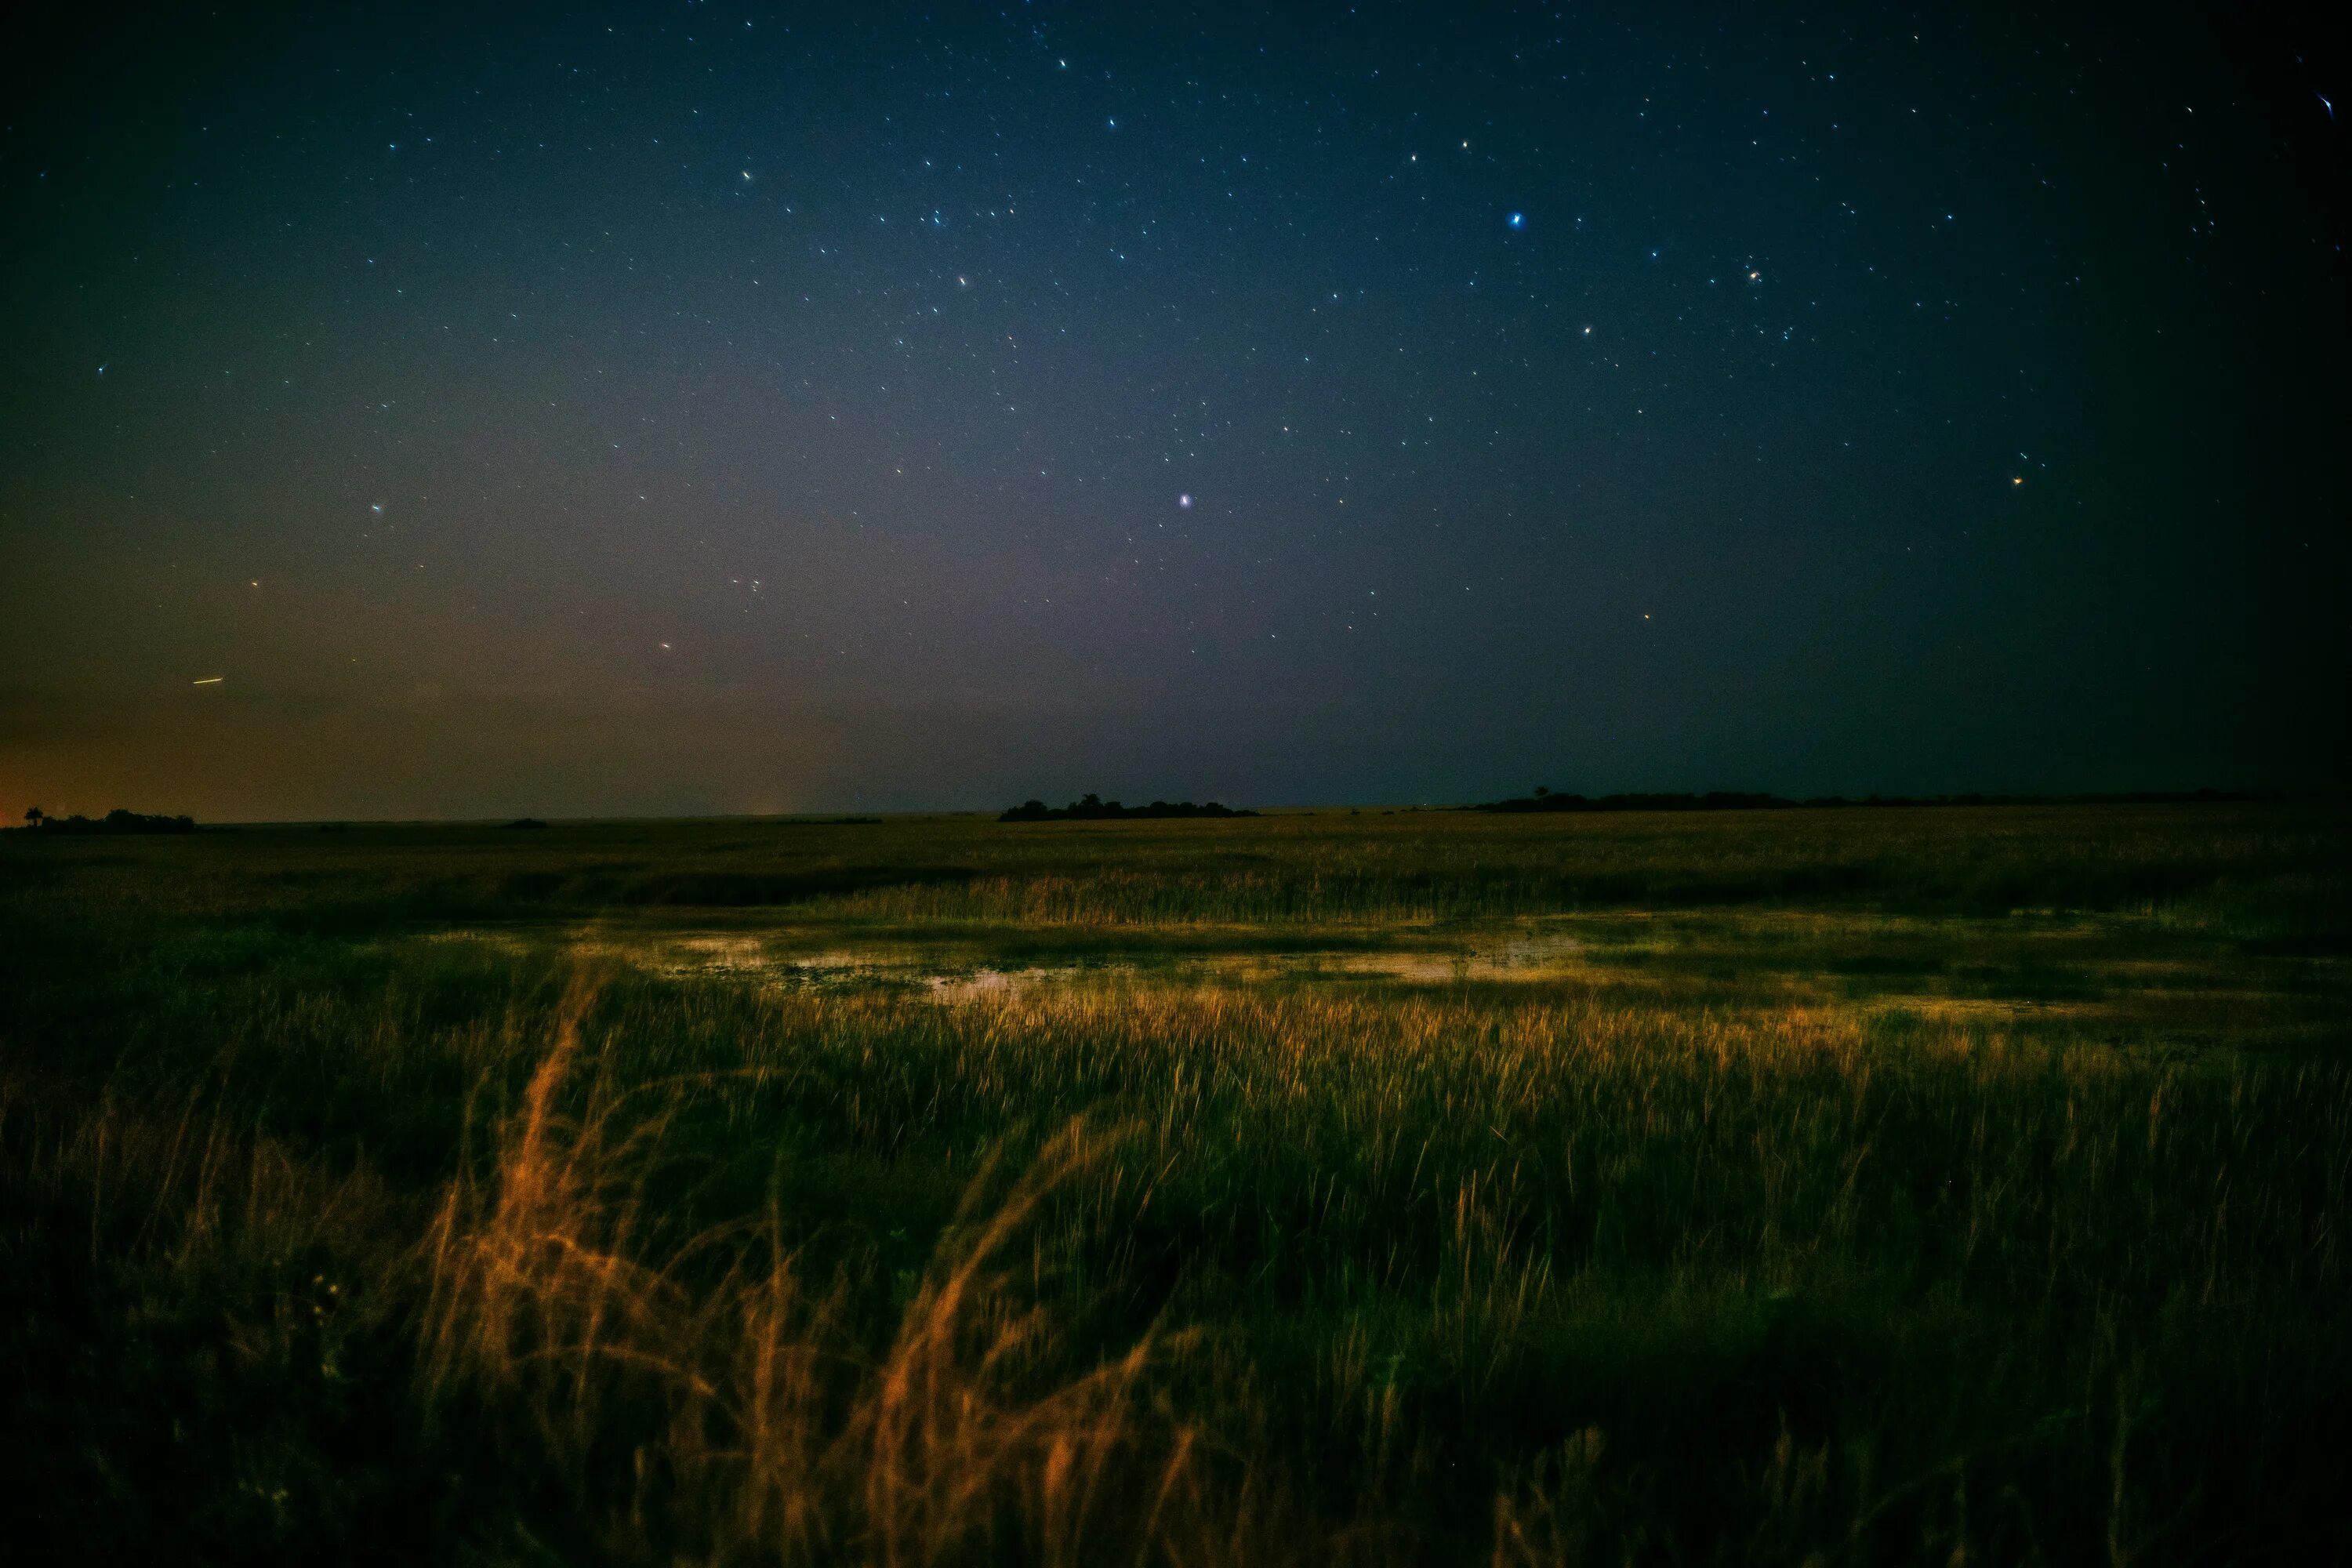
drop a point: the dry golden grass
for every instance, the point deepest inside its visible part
(782, 1441)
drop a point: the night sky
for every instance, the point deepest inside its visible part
(724, 408)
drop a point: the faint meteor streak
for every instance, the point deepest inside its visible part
(212, 681)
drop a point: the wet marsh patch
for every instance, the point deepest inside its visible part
(2130, 976)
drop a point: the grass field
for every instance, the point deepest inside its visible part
(1938, 1185)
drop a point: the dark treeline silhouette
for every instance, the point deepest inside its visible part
(1714, 800)
(1094, 808)
(1735, 800)
(115, 821)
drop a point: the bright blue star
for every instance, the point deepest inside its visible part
(1517, 220)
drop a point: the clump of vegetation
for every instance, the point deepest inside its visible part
(1545, 800)
(117, 821)
(1094, 808)
(1894, 1189)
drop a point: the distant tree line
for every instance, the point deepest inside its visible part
(1734, 799)
(1094, 808)
(115, 821)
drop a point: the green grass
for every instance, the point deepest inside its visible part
(1870, 1186)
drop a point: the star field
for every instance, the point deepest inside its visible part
(718, 407)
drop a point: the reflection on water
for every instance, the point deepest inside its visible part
(725, 953)
(995, 985)
(1521, 957)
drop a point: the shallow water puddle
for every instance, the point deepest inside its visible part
(967, 974)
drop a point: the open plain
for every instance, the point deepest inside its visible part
(1868, 1185)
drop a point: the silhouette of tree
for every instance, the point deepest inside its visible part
(35, 815)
